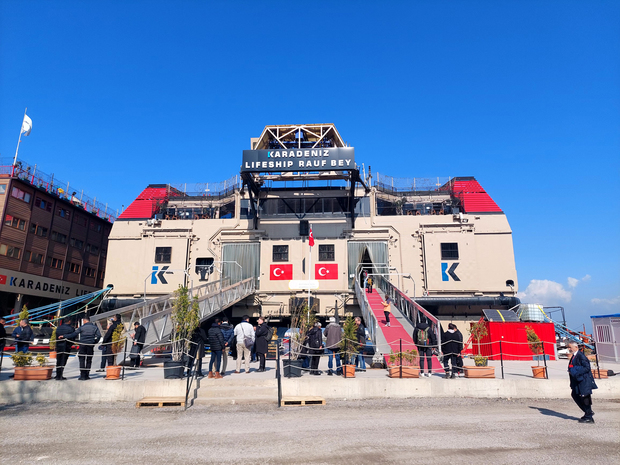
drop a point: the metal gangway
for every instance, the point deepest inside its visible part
(155, 314)
(567, 333)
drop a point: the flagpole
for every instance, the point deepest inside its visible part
(19, 139)
(309, 269)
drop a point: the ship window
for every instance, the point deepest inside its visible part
(280, 253)
(326, 253)
(163, 254)
(449, 251)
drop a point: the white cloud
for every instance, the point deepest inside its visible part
(572, 282)
(586, 278)
(545, 292)
(612, 301)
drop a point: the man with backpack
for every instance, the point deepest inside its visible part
(425, 340)
(245, 340)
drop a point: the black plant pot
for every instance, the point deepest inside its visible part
(173, 370)
(292, 368)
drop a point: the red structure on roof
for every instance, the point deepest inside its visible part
(147, 203)
(474, 199)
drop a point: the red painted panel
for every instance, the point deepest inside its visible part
(280, 272)
(513, 339)
(326, 271)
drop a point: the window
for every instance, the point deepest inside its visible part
(95, 227)
(74, 268)
(59, 237)
(10, 251)
(82, 221)
(280, 253)
(20, 194)
(204, 267)
(78, 244)
(54, 263)
(64, 213)
(163, 254)
(43, 204)
(38, 230)
(15, 222)
(449, 251)
(2, 189)
(90, 272)
(603, 333)
(33, 257)
(94, 249)
(326, 253)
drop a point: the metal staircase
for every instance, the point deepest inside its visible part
(155, 314)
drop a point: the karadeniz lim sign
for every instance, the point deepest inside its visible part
(329, 159)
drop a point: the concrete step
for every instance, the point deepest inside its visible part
(232, 400)
(239, 392)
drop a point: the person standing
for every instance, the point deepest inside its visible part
(369, 285)
(425, 340)
(216, 344)
(106, 347)
(581, 382)
(245, 340)
(387, 310)
(360, 333)
(196, 350)
(333, 335)
(89, 336)
(451, 350)
(459, 356)
(315, 344)
(2, 339)
(23, 336)
(261, 344)
(63, 347)
(139, 337)
(229, 335)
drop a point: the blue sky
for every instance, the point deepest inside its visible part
(523, 95)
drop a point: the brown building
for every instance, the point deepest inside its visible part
(53, 243)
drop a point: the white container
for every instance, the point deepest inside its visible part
(531, 312)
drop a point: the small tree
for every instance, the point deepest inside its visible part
(22, 360)
(408, 358)
(118, 338)
(53, 340)
(302, 321)
(478, 331)
(185, 319)
(534, 342)
(24, 314)
(41, 360)
(349, 345)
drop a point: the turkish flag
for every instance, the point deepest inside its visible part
(311, 239)
(280, 272)
(2, 279)
(326, 271)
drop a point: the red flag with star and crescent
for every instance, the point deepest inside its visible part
(280, 272)
(326, 271)
(311, 239)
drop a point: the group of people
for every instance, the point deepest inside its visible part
(452, 345)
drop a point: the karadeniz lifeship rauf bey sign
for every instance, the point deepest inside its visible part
(329, 159)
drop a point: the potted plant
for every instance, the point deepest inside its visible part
(349, 347)
(53, 344)
(185, 319)
(535, 345)
(25, 372)
(118, 340)
(302, 321)
(480, 369)
(404, 364)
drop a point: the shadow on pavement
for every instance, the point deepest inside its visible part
(553, 413)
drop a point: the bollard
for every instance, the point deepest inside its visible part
(501, 357)
(598, 365)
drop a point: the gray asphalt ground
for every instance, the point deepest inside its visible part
(425, 431)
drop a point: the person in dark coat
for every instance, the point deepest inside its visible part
(261, 344)
(459, 356)
(425, 340)
(138, 337)
(581, 382)
(106, 348)
(360, 333)
(63, 347)
(2, 339)
(315, 341)
(452, 345)
(196, 351)
(23, 336)
(228, 332)
(216, 344)
(89, 336)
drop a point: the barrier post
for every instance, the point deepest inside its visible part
(400, 359)
(545, 360)
(1, 355)
(598, 365)
(278, 375)
(124, 359)
(501, 357)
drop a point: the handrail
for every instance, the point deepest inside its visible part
(369, 316)
(408, 307)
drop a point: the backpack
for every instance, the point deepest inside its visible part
(269, 335)
(423, 339)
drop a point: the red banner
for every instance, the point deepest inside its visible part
(326, 271)
(280, 272)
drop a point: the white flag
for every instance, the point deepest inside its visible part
(26, 125)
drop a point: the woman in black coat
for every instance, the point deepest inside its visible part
(261, 343)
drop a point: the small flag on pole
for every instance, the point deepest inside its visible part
(311, 239)
(26, 125)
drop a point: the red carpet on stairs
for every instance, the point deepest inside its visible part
(395, 332)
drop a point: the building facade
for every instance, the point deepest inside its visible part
(443, 241)
(53, 245)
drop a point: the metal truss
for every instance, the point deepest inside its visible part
(285, 134)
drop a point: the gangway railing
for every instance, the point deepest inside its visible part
(568, 333)
(409, 308)
(155, 314)
(369, 316)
